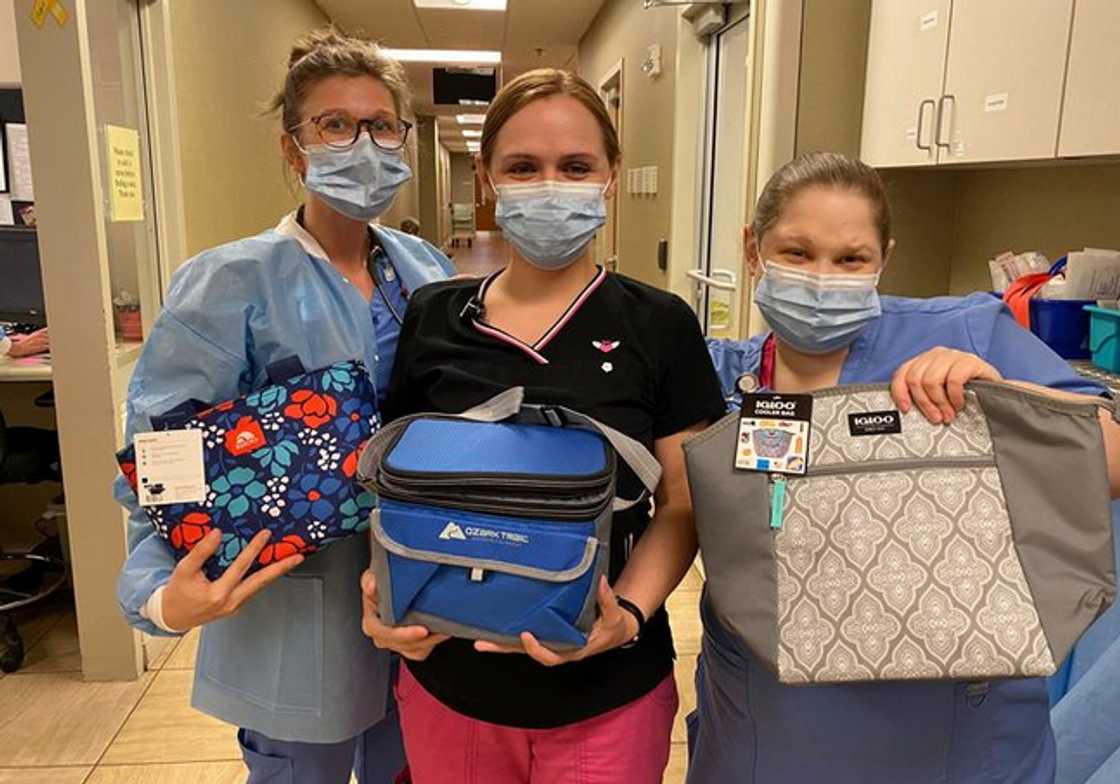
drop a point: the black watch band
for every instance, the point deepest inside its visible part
(639, 616)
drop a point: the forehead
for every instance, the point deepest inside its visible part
(361, 96)
(827, 215)
(548, 127)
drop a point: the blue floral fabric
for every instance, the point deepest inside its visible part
(282, 458)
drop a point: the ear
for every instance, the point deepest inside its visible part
(751, 254)
(484, 179)
(887, 253)
(292, 154)
(612, 189)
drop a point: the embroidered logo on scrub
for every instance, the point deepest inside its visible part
(606, 346)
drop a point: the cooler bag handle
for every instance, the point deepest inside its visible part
(509, 404)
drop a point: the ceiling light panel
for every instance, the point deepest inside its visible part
(472, 134)
(461, 56)
(463, 5)
(470, 119)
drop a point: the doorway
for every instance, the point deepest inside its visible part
(719, 275)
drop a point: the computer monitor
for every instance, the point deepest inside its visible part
(21, 282)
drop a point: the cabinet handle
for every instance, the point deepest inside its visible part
(921, 124)
(941, 118)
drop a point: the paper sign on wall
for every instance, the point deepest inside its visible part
(19, 161)
(126, 199)
(54, 7)
(927, 21)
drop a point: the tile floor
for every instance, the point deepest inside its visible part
(57, 729)
(488, 252)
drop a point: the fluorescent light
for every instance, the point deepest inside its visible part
(472, 134)
(471, 119)
(472, 56)
(472, 102)
(473, 147)
(463, 5)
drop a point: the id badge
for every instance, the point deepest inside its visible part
(774, 433)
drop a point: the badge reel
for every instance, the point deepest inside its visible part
(774, 432)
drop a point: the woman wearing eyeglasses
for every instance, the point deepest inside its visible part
(291, 667)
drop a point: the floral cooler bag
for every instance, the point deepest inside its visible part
(282, 458)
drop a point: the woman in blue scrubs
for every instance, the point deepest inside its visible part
(282, 654)
(820, 238)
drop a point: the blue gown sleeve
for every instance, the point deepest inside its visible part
(197, 349)
(1019, 354)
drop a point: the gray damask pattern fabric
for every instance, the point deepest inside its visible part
(903, 574)
(832, 443)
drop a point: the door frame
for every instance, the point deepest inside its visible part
(614, 76)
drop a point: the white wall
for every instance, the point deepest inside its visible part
(9, 52)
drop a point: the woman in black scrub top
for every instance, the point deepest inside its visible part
(572, 334)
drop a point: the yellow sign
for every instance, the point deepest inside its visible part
(126, 197)
(54, 7)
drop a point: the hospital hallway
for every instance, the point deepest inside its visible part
(59, 730)
(487, 252)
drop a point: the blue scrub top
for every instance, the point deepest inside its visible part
(750, 729)
(292, 664)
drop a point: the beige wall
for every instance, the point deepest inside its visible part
(462, 179)
(833, 62)
(1050, 209)
(9, 51)
(623, 30)
(924, 212)
(229, 61)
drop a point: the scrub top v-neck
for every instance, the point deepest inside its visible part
(629, 355)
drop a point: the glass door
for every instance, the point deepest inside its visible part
(719, 275)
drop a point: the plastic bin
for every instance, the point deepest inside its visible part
(1104, 337)
(1063, 325)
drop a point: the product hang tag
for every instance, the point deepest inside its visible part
(774, 433)
(169, 467)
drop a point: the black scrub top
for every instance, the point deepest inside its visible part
(625, 353)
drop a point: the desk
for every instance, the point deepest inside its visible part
(26, 369)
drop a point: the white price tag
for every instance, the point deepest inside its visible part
(169, 468)
(927, 21)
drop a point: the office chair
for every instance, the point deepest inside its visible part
(28, 455)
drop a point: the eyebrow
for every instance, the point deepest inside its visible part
(340, 110)
(515, 157)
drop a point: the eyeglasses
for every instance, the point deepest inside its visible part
(341, 131)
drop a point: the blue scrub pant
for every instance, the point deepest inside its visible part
(376, 757)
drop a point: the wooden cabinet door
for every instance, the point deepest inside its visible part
(1003, 82)
(1091, 113)
(905, 69)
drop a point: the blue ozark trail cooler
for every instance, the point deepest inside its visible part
(497, 521)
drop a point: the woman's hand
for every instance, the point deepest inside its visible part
(38, 342)
(934, 382)
(190, 599)
(412, 642)
(614, 627)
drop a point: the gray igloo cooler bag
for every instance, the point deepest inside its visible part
(970, 551)
(498, 520)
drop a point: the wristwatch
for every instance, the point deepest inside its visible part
(639, 616)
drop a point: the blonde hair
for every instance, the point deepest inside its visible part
(544, 83)
(823, 169)
(328, 52)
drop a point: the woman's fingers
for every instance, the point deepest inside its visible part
(245, 589)
(194, 560)
(245, 560)
(538, 652)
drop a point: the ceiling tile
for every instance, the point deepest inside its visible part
(394, 22)
(464, 29)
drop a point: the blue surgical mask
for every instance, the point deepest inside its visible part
(816, 314)
(360, 182)
(551, 223)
